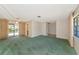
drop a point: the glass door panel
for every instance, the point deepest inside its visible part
(13, 29)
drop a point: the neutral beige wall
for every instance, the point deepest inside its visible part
(3, 28)
(70, 28)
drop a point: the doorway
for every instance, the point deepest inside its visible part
(13, 29)
(51, 29)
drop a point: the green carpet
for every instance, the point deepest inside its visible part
(41, 45)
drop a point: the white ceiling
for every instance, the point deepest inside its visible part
(48, 12)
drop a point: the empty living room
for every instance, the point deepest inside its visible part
(39, 29)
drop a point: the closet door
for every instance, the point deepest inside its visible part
(22, 28)
(0, 29)
(3, 28)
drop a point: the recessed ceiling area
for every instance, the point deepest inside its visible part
(47, 12)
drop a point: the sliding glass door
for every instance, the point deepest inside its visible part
(76, 26)
(13, 29)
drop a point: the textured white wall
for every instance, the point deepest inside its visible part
(62, 29)
(36, 28)
(40, 28)
(52, 28)
(44, 28)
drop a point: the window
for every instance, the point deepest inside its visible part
(76, 26)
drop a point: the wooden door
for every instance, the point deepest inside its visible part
(3, 28)
(22, 28)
